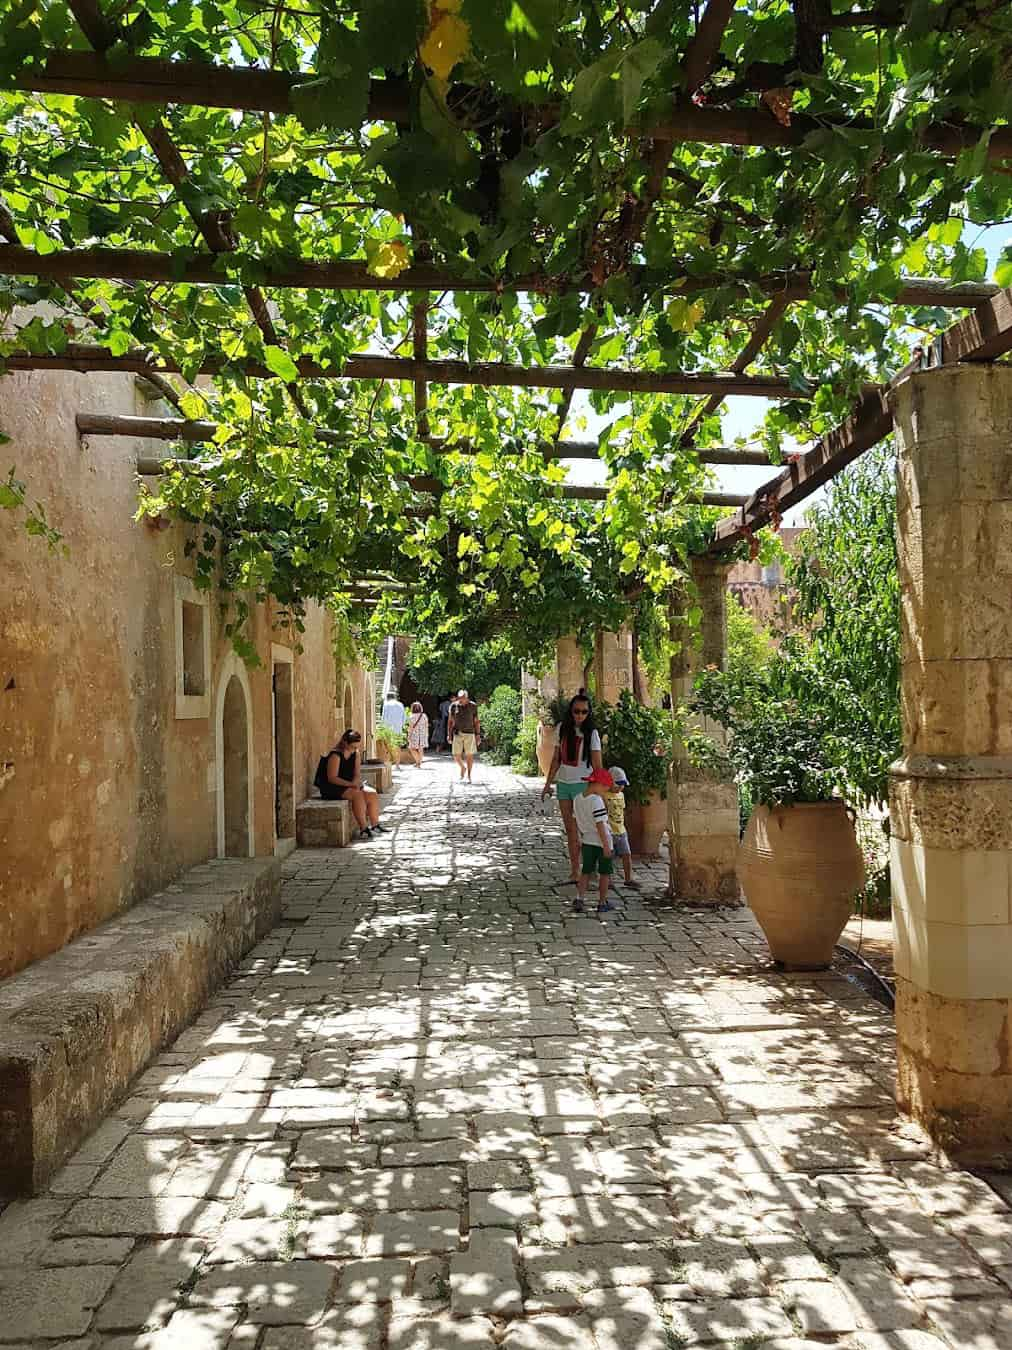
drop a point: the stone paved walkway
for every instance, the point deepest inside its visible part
(433, 1110)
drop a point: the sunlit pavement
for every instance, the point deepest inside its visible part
(435, 1109)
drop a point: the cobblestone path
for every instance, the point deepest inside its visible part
(433, 1110)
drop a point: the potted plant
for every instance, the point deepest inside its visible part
(799, 862)
(550, 713)
(639, 739)
(388, 743)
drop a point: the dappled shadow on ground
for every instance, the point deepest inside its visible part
(436, 1109)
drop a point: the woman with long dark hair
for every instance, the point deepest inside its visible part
(577, 753)
(344, 782)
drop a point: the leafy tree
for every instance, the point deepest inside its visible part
(822, 714)
(440, 669)
(500, 723)
(848, 596)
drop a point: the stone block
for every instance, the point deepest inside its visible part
(958, 418)
(961, 805)
(320, 824)
(955, 961)
(396, 1233)
(951, 607)
(954, 1073)
(379, 775)
(965, 886)
(54, 1303)
(275, 1293)
(78, 1025)
(957, 707)
(484, 1279)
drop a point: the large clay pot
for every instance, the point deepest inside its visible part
(547, 741)
(383, 751)
(646, 824)
(800, 867)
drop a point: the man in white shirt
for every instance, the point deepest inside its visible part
(393, 714)
(591, 812)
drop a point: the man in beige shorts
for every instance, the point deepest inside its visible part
(464, 731)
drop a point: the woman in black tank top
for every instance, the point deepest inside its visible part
(344, 781)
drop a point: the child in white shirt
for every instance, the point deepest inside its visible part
(591, 814)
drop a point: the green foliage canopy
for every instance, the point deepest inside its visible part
(516, 158)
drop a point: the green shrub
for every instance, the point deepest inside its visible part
(525, 760)
(394, 739)
(500, 723)
(639, 739)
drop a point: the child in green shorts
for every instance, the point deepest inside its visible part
(591, 814)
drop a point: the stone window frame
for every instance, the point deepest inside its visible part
(191, 706)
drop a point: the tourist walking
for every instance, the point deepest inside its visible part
(591, 813)
(441, 738)
(577, 752)
(393, 713)
(418, 733)
(464, 729)
(342, 781)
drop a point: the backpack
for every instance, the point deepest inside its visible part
(320, 779)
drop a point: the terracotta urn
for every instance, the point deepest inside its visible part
(646, 823)
(547, 741)
(800, 867)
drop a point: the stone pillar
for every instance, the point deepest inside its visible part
(951, 793)
(568, 665)
(612, 664)
(702, 808)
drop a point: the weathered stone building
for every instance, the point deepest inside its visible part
(134, 741)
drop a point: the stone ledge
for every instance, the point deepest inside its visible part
(77, 1026)
(379, 775)
(323, 824)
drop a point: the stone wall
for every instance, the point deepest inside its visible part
(113, 782)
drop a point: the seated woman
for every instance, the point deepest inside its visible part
(344, 780)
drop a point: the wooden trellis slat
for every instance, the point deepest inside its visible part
(983, 336)
(152, 466)
(122, 264)
(183, 429)
(757, 127)
(201, 84)
(771, 317)
(490, 375)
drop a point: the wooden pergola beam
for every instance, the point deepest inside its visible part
(757, 127)
(149, 79)
(87, 359)
(983, 336)
(153, 465)
(193, 430)
(201, 84)
(704, 46)
(121, 264)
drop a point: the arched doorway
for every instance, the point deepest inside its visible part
(349, 707)
(234, 761)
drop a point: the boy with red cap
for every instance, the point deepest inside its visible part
(591, 814)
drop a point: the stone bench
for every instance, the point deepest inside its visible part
(320, 824)
(77, 1026)
(379, 775)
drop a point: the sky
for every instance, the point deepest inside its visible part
(741, 415)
